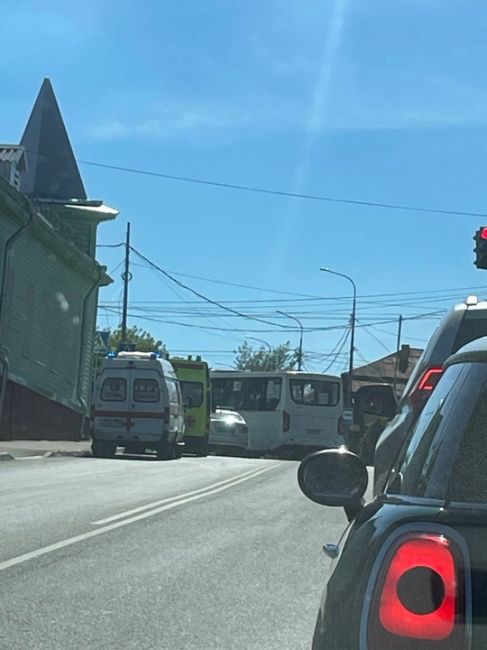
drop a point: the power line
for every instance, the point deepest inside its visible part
(178, 292)
(311, 297)
(370, 369)
(281, 193)
(202, 296)
(376, 338)
(340, 343)
(110, 245)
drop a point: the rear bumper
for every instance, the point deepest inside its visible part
(124, 438)
(195, 443)
(297, 441)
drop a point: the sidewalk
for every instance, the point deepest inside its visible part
(12, 449)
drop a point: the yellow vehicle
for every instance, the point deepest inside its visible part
(194, 379)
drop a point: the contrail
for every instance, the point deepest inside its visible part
(316, 118)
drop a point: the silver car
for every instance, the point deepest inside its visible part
(229, 433)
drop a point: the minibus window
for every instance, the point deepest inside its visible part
(261, 394)
(315, 392)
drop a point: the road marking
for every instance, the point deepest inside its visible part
(177, 497)
(31, 555)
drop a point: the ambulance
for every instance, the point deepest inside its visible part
(194, 378)
(137, 405)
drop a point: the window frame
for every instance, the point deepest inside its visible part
(243, 392)
(146, 401)
(436, 471)
(199, 384)
(123, 380)
(294, 381)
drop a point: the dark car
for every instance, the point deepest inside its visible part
(411, 572)
(464, 323)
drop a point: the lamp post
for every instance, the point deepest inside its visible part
(352, 327)
(300, 353)
(254, 338)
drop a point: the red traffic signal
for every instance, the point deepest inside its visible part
(481, 248)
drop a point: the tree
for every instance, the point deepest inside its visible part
(144, 341)
(282, 357)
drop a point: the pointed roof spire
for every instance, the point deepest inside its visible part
(52, 171)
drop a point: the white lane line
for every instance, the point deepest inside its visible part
(31, 555)
(161, 502)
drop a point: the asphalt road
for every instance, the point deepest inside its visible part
(205, 553)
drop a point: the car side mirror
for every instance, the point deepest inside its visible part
(376, 399)
(334, 477)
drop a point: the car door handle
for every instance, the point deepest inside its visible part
(332, 550)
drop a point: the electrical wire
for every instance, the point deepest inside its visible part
(340, 345)
(377, 339)
(370, 368)
(283, 194)
(110, 245)
(202, 296)
(310, 297)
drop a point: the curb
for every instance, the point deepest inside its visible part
(73, 454)
(6, 456)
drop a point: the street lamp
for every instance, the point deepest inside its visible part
(254, 338)
(352, 325)
(300, 353)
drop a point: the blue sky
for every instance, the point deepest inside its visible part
(382, 101)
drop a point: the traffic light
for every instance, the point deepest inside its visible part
(403, 361)
(480, 249)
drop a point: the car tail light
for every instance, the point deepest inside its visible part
(418, 601)
(286, 421)
(166, 415)
(424, 388)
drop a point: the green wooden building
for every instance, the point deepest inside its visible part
(49, 281)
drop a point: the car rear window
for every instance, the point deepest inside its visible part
(473, 326)
(446, 455)
(114, 389)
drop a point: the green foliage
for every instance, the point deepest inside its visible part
(144, 341)
(282, 357)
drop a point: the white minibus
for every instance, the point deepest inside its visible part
(286, 411)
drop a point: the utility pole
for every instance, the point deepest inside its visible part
(352, 342)
(300, 353)
(353, 320)
(398, 348)
(126, 279)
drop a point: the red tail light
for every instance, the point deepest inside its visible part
(166, 415)
(286, 421)
(429, 379)
(424, 388)
(419, 596)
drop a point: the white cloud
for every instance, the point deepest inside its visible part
(166, 124)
